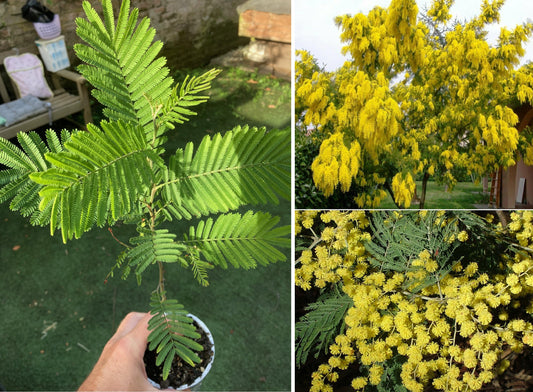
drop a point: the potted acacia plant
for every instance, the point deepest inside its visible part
(118, 171)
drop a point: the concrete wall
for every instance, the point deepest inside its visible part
(193, 31)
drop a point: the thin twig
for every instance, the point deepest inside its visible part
(116, 239)
(83, 347)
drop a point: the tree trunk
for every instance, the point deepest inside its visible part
(424, 186)
(502, 218)
(391, 193)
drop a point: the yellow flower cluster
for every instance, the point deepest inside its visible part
(439, 10)
(336, 164)
(384, 37)
(371, 199)
(403, 187)
(323, 264)
(450, 333)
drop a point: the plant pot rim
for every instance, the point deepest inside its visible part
(207, 368)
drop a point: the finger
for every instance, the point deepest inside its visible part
(140, 330)
(129, 322)
(137, 337)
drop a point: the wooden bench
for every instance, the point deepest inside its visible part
(63, 102)
(268, 24)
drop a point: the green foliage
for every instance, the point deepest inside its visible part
(172, 332)
(121, 62)
(98, 178)
(184, 96)
(231, 166)
(243, 241)
(391, 380)
(306, 195)
(115, 171)
(130, 80)
(399, 239)
(16, 181)
(317, 329)
(152, 246)
(483, 242)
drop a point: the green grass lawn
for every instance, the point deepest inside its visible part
(58, 312)
(465, 195)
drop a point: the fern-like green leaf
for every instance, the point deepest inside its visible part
(245, 166)
(97, 178)
(399, 239)
(172, 332)
(121, 63)
(240, 240)
(391, 381)
(320, 325)
(199, 267)
(15, 182)
(184, 96)
(130, 80)
(153, 246)
(121, 264)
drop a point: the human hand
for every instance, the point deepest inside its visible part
(121, 366)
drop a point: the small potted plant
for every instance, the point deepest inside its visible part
(118, 171)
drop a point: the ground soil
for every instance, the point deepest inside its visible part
(181, 373)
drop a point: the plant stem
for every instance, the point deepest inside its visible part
(316, 240)
(153, 215)
(408, 293)
(161, 285)
(116, 239)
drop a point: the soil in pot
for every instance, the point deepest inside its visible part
(181, 373)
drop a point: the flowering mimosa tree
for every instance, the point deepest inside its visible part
(420, 97)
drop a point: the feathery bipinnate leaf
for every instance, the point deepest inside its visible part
(129, 79)
(172, 332)
(153, 246)
(184, 96)
(15, 182)
(240, 240)
(121, 62)
(245, 166)
(99, 177)
(159, 246)
(199, 269)
(398, 239)
(321, 323)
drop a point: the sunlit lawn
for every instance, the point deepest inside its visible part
(465, 195)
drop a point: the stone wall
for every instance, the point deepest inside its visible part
(193, 31)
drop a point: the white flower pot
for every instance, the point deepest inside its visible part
(195, 385)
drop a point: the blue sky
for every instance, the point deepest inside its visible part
(314, 29)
